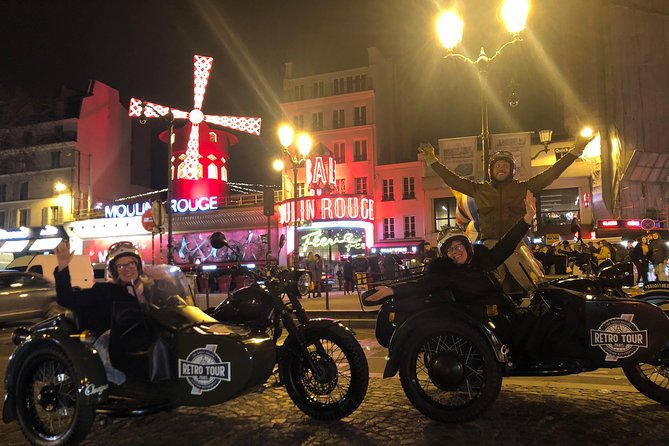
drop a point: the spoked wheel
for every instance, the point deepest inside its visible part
(450, 374)
(338, 385)
(651, 379)
(46, 402)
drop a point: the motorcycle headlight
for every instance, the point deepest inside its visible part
(303, 284)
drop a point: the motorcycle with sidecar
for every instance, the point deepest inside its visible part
(174, 354)
(451, 364)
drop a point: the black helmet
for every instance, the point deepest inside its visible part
(122, 249)
(501, 155)
(447, 235)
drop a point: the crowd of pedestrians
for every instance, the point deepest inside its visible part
(648, 253)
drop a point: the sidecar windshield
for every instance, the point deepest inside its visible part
(171, 288)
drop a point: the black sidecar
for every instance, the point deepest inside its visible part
(171, 355)
(451, 363)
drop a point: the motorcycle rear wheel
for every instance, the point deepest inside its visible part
(345, 374)
(47, 406)
(651, 380)
(450, 372)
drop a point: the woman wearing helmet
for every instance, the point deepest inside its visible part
(463, 268)
(94, 306)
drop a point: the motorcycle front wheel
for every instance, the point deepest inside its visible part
(47, 407)
(338, 385)
(450, 372)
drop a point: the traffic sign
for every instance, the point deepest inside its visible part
(648, 224)
(158, 209)
(147, 221)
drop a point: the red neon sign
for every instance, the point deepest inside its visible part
(609, 223)
(321, 173)
(633, 223)
(344, 207)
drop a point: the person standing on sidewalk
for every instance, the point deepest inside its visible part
(318, 275)
(659, 253)
(348, 276)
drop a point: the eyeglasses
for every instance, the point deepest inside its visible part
(128, 265)
(455, 248)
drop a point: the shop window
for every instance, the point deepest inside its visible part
(388, 228)
(444, 212)
(558, 206)
(24, 217)
(360, 152)
(361, 185)
(360, 115)
(212, 171)
(388, 190)
(408, 188)
(409, 226)
(340, 152)
(338, 119)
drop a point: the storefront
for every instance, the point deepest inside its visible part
(35, 240)
(191, 237)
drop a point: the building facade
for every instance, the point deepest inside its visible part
(58, 170)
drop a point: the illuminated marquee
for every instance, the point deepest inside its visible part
(178, 206)
(321, 173)
(347, 207)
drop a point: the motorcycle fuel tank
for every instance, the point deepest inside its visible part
(217, 362)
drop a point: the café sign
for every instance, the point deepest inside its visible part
(347, 207)
(178, 206)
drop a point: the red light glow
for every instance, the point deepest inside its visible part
(609, 223)
(633, 223)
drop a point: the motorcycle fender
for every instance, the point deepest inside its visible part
(323, 323)
(92, 387)
(657, 297)
(438, 316)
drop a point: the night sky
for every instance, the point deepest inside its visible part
(145, 48)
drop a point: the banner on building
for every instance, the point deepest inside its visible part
(519, 145)
(460, 156)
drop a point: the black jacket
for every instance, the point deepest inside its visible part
(93, 306)
(472, 284)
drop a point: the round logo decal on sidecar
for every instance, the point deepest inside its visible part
(203, 369)
(619, 337)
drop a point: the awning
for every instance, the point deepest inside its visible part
(45, 244)
(14, 245)
(397, 247)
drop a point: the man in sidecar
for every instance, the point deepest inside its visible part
(123, 302)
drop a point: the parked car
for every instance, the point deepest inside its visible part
(81, 271)
(26, 296)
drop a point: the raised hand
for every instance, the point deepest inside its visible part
(63, 254)
(427, 151)
(530, 207)
(581, 143)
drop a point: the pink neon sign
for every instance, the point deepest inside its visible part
(344, 207)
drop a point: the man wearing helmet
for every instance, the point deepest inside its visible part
(94, 306)
(499, 202)
(464, 269)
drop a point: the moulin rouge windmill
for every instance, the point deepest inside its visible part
(200, 154)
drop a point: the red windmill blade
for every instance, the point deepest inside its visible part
(191, 168)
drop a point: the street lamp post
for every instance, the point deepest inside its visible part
(450, 27)
(169, 120)
(304, 143)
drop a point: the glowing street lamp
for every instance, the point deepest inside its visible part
(304, 143)
(450, 28)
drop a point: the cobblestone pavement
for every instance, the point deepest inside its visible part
(522, 415)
